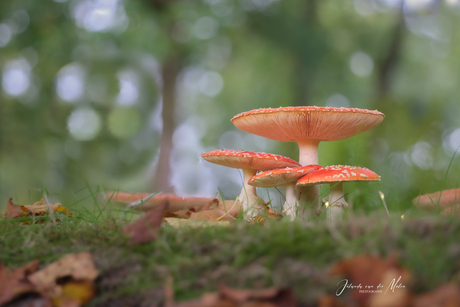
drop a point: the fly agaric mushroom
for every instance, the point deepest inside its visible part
(286, 177)
(337, 174)
(308, 126)
(443, 199)
(250, 162)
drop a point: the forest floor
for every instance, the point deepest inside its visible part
(295, 255)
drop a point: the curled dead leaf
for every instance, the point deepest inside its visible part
(14, 283)
(146, 228)
(447, 295)
(371, 271)
(78, 267)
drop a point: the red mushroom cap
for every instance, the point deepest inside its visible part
(247, 159)
(338, 173)
(290, 124)
(446, 199)
(277, 177)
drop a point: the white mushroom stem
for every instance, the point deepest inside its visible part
(291, 204)
(337, 203)
(308, 152)
(309, 196)
(309, 200)
(248, 196)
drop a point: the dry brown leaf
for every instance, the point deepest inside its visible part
(330, 301)
(447, 295)
(211, 215)
(373, 273)
(181, 223)
(40, 208)
(14, 211)
(14, 283)
(146, 228)
(79, 267)
(397, 296)
(175, 202)
(37, 209)
(229, 297)
(214, 203)
(276, 296)
(231, 207)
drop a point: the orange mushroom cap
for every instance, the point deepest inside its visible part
(277, 177)
(290, 124)
(445, 198)
(260, 161)
(338, 173)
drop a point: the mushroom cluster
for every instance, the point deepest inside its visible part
(307, 126)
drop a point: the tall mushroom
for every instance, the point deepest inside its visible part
(250, 162)
(308, 126)
(286, 177)
(336, 175)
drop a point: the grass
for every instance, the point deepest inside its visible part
(280, 253)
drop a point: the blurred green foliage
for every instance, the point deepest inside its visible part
(399, 58)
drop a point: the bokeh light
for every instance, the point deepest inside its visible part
(16, 77)
(124, 122)
(70, 84)
(84, 124)
(361, 64)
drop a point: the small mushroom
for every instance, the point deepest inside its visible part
(250, 162)
(337, 174)
(443, 199)
(286, 177)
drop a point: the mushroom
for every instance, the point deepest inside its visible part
(338, 174)
(286, 177)
(308, 126)
(442, 199)
(250, 162)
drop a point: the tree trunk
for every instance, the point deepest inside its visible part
(170, 70)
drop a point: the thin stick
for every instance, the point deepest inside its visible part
(382, 197)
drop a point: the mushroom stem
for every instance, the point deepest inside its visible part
(308, 200)
(291, 204)
(337, 203)
(248, 196)
(308, 151)
(308, 154)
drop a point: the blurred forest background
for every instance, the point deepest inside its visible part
(128, 94)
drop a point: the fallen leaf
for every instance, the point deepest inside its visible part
(14, 283)
(211, 215)
(277, 296)
(369, 271)
(394, 293)
(79, 267)
(143, 201)
(214, 203)
(146, 228)
(37, 209)
(330, 301)
(229, 297)
(231, 207)
(447, 295)
(181, 223)
(14, 211)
